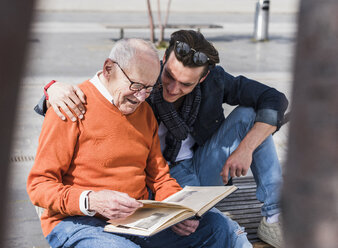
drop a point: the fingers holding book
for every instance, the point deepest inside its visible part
(113, 204)
(186, 227)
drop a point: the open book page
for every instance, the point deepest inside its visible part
(193, 198)
(199, 198)
(146, 221)
(161, 204)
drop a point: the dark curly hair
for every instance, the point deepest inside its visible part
(196, 41)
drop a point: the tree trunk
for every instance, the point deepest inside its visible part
(310, 194)
(165, 19)
(167, 14)
(151, 22)
(160, 22)
(162, 26)
(15, 18)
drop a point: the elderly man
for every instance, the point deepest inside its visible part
(95, 169)
(200, 144)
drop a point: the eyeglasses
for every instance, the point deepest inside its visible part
(183, 49)
(135, 86)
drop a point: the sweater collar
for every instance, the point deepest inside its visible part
(101, 88)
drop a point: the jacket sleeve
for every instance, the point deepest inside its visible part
(41, 107)
(158, 178)
(45, 186)
(269, 103)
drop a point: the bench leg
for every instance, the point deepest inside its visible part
(121, 33)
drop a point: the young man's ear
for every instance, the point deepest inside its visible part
(108, 68)
(204, 77)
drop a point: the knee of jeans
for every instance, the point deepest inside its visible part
(245, 114)
(246, 119)
(240, 231)
(233, 235)
(218, 222)
(239, 239)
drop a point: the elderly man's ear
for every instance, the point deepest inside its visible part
(108, 68)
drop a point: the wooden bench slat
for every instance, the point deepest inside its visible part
(244, 194)
(241, 205)
(249, 220)
(243, 211)
(246, 216)
(198, 26)
(239, 198)
(177, 25)
(247, 190)
(243, 179)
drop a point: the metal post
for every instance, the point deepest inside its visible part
(121, 33)
(262, 20)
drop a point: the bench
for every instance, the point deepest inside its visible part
(243, 207)
(197, 27)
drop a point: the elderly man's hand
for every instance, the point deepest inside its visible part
(67, 97)
(186, 227)
(112, 204)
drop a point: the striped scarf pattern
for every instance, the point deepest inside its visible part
(179, 123)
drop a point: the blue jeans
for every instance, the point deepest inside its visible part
(185, 175)
(87, 232)
(208, 160)
(205, 167)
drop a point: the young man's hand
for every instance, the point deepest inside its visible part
(237, 164)
(186, 227)
(112, 204)
(67, 97)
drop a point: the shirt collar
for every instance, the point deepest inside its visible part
(101, 88)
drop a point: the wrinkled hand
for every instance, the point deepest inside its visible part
(67, 97)
(112, 204)
(186, 227)
(237, 164)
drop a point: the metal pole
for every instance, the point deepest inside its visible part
(261, 20)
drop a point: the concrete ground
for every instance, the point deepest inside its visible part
(195, 6)
(71, 46)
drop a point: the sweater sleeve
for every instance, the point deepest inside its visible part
(158, 177)
(45, 186)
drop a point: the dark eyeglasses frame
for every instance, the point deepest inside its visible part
(135, 86)
(183, 49)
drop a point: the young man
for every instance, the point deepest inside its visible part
(83, 170)
(201, 146)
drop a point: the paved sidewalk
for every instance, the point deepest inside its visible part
(71, 46)
(186, 6)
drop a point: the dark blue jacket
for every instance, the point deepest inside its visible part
(220, 87)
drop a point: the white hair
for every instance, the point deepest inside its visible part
(126, 49)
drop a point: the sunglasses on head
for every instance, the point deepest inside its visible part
(183, 49)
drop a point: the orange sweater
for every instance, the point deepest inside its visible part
(105, 150)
